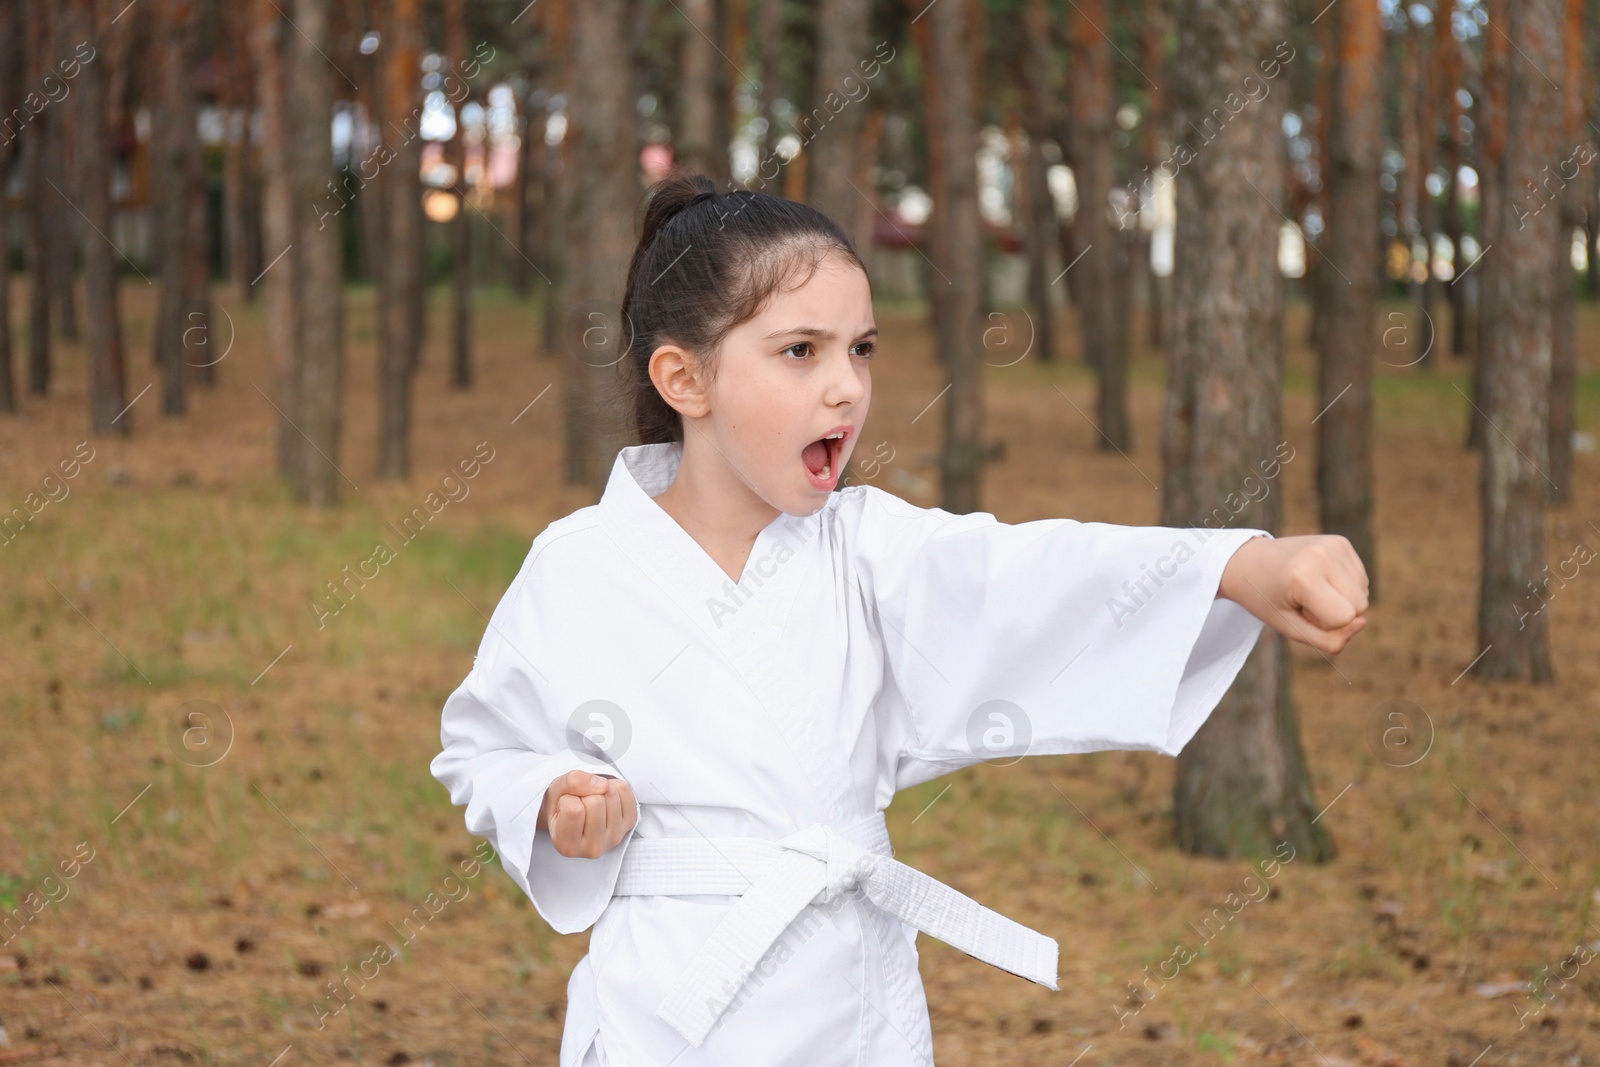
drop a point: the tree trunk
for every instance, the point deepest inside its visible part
(12, 29)
(697, 96)
(1091, 106)
(729, 18)
(179, 184)
(63, 218)
(1419, 106)
(318, 263)
(1489, 140)
(455, 28)
(1242, 784)
(107, 393)
(8, 393)
(834, 127)
(938, 285)
(370, 214)
(1446, 80)
(769, 172)
(1350, 280)
(241, 209)
(531, 134)
(1591, 216)
(1153, 59)
(960, 254)
(1039, 221)
(278, 228)
(404, 287)
(63, 222)
(1517, 327)
(555, 178)
(600, 234)
(35, 160)
(1568, 205)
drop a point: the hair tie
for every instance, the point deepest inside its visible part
(700, 197)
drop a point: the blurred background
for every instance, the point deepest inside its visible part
(308, 323)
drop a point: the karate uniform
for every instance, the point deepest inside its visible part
(755, 915)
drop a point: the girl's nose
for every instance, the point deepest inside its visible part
(845, 384)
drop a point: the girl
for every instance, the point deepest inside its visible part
(698, 696)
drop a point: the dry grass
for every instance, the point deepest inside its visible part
(222, 899)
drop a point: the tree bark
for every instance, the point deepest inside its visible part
(771, 34)
(1242, 784)
(12, 31)
(278, 227)
(833, 129)
(107, 391)
(959, 254)
(1039, 221)
(555, 179)
(318, 260)
(600, 236)
(1447, 66)
(404, 287)
(240, 188)
(1153, 59)
(455, 28)
(1350, 280)
(179, 182)
(1517, 328)
(1489, 139)
(1568, 205)
(697, 89)
(1419, 101)
(1091, 108)
(936, 228)
(35, 161)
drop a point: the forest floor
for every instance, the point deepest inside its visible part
(240, 792)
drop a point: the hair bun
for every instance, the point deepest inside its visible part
(673, 194)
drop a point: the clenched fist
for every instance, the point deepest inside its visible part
(1312, 589)
(587, 814)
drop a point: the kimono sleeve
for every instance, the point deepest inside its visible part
(1053, 636)
(501, 752)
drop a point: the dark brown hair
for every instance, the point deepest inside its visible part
(704, 265)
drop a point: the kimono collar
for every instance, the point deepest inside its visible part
(644, 471)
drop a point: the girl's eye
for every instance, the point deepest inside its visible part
(865, 349)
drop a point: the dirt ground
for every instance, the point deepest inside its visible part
(217, 801)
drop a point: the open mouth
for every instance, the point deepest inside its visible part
(821, 457)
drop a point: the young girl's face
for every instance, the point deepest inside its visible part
(796, 373)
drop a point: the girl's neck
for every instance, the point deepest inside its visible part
(715, 507)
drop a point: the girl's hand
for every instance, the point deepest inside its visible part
(1312, 589)
(587, 814)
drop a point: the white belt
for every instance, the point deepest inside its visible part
(776, 880)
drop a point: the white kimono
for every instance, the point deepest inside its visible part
(755, 914)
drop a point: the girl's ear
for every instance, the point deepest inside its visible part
(676, 374)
